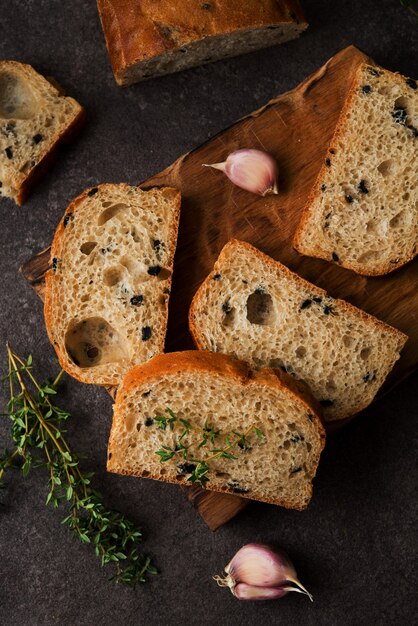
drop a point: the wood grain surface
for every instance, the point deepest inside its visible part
(296, 129)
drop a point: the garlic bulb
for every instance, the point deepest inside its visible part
(260, 572)
(252, 170)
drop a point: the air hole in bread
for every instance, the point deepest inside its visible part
(113, 275)
(399, 219)
(16, 98)
(385, 90)
(135, 236)
(301, 351)
(371, 226)
(401, 103)
(111, 212)
(229, 317)
(260, 309)
(88, 247)
(371, 255)
(385, 168)
(348, 341)
(93, 341)
(365, 353)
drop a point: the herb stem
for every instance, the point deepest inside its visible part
(38, 437)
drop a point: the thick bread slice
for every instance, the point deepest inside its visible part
(363, 209)
(34, 118)
(275, 464)
(256, 309)
(107, 292)
(149, 38)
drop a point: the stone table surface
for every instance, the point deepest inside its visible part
(354, 547)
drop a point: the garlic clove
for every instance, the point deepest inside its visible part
(263, 567)
(252, 170)
(257, 564)
(243, 591)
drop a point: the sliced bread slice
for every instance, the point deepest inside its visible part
(256, 309)
(198, 416)
(34, 119)
(107, 292)
(363, 209)
(155, 37)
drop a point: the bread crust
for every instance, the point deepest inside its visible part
(139, 31)
(56, 247)
(50, 157)
(298, 241)
(26, 182)
(226, 367)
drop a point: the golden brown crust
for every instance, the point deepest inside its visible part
(48, 158)
(276, 265)
(298, 242)
(138, 31)
(56, 248)
(224, 366)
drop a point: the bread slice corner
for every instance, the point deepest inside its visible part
(35, 117)
(207, 393)
(108, 288)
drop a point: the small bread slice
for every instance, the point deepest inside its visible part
(34, 119)
(205, 393)
(107, 292)
(256, 309)
(363, 209)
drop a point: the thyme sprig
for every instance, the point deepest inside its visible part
(38, 434)
(199, 468)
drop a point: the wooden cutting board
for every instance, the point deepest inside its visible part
(296, 128)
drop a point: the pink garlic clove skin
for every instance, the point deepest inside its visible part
(252, 170)
(261, 572)
(242, 591)
(259, 565)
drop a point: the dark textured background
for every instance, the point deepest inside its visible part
(354, 546)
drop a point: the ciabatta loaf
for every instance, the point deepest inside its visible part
(175, 415)
(147, 38)
(256, 309)
(34, 119)
(363, 210)
(107, 292)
